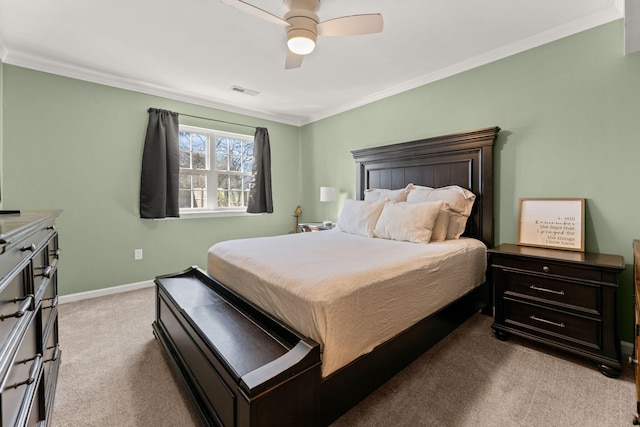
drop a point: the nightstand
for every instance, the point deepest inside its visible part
(314, 226)
(560, 298)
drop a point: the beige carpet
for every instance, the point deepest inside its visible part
(114, 373)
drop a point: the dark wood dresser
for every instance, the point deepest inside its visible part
(560, 298)
(29, 348)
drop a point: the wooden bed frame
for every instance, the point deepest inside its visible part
(295, 393)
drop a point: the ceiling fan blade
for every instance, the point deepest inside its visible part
(353, 25)
(293, 60)
(255, 11)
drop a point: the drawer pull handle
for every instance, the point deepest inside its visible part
(24, 306)
(31, 247)
(33, 371)
(537, 319)
(55, 356)
(54, 303)
(546, 269)
(47, 272)
(535, 288)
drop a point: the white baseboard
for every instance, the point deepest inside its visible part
(106, 291)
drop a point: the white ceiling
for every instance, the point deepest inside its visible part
(196, 50)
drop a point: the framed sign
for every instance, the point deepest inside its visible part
(552, 223)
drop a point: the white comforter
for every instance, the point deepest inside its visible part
(349, 293)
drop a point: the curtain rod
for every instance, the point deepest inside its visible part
(219, 121)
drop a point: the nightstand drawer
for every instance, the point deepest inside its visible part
(563, 293)
(553, 324)
(550, 267)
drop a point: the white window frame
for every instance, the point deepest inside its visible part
(212, 209)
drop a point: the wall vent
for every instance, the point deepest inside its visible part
(244, 90)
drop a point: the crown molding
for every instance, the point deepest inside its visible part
(609, 15)
(94, 76)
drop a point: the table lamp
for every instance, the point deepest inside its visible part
(327, 194)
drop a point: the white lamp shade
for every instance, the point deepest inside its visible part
(327, 194)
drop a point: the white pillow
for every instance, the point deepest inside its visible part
(360, 216)
(411, 222)
(420, 194)
(393, 195)
(441, 226)
(458, 201)
(457, 224)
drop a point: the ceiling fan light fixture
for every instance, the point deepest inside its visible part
(303, 26)
(300, 41)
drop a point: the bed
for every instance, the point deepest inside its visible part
(347, 292)
(357, 360)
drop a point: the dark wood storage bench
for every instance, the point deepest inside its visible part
(239, 366)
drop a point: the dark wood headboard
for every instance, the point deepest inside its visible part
(464, 159)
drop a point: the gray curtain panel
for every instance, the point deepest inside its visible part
(160, 166)
(260, 200)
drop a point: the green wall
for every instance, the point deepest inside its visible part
(77, 146)
(569, 113)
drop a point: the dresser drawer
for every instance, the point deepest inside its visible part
(51, 349)
(14, 253)
(44, 272)
(49, 297)
(553, 324)
(565, 293)
(36, 415)
(22, 375)
(14, 306)
(53, 249)
(41, 268)
(550, 267)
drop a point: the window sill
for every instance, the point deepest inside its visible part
(212, 214)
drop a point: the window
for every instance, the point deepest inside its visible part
(215, 170)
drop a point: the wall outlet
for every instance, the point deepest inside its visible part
(137, 254)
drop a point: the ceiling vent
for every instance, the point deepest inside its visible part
(244, 90)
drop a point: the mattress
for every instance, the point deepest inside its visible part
(348, 293)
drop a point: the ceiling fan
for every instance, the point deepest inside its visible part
(303, 25)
